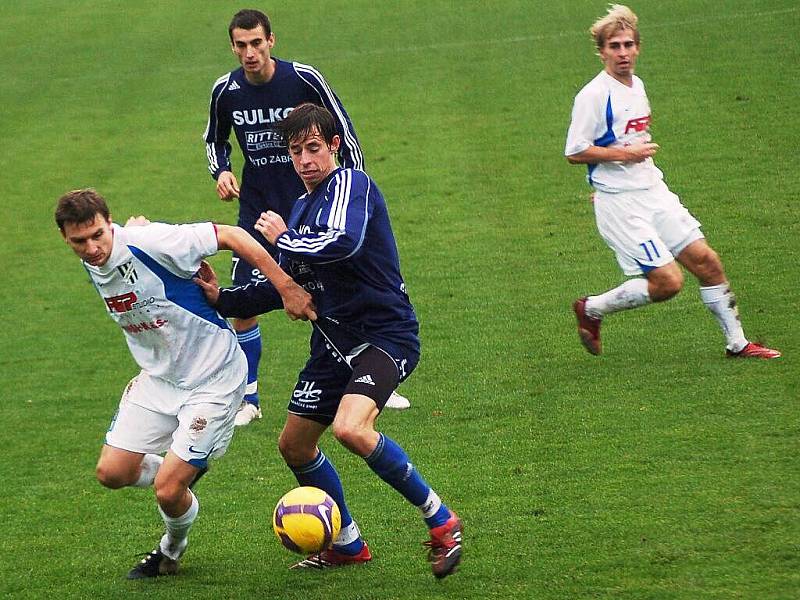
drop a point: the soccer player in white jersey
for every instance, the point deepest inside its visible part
(193, 373)
(639, 218)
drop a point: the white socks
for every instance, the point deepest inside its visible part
(174, 542)
(631, 294)
(721, 301)
(347, 535)
(431, 506)
(150, 465)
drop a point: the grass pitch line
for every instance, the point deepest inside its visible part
(543, 37)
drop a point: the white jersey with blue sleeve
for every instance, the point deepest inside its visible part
(171, 330)
(608, 113)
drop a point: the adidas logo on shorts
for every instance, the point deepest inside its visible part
(365, 379)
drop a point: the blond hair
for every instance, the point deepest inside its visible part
(619, 17)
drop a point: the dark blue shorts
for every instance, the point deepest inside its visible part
(340, 363)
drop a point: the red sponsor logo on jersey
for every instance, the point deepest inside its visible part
(640, 124)
(122, 303)
(144, 326)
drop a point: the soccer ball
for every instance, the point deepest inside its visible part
(306, 520)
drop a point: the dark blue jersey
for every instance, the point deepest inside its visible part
(340, 247)
(253, 112)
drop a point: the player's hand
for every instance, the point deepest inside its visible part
(271, 226)
(640, 152)
(206, 278)
(297, 302)
(139, 221)
(227, 186)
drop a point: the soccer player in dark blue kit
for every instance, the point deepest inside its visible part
(338, 244)
(251, 101)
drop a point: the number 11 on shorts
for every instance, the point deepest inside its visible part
(647, 247)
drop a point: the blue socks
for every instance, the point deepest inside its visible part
(250, 342)
(391, 463)
(321, 473)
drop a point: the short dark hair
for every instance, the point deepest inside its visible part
(304, 119)
(249, 19)
(80, 206)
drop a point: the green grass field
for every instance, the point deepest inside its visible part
(658, 470)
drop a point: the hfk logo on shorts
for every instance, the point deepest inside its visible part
(307, 393)
(640, 124)
(122, 303)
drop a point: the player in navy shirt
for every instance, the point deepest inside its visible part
(251, 101)
(338, 244)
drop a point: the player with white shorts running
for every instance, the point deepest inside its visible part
(195, 424)
(193, 373)
(639, 218)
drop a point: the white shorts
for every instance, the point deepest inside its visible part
(201, 427)
(646, 229)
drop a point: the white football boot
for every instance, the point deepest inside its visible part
(397, 401)
(247, 413)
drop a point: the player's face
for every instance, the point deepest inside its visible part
(619, 55)
(91, 240)
(252, 47)
(313, 158)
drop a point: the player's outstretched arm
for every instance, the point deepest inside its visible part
(242, 302)
(296, 301)
(597, 154)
